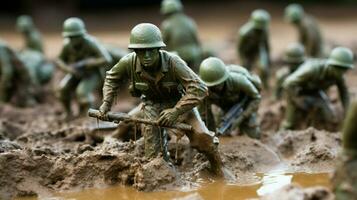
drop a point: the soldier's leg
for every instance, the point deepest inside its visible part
(152, 134)
(125, 128)
(65, 91)
(291, 116)
(250, 126)
(85, 92)
(202, 140)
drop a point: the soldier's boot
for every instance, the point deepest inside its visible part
(251, 127)
(83, 108)
(291, 117)
(66, 103)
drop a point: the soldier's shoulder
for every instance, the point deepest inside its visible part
(128, 58)
(170, 56)
(245, 29)
(91, 41)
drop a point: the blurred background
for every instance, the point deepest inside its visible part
(218, 21)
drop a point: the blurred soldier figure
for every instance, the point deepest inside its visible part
(294, 57)
(15, 80)
(309, 31)
(345, 177)
(84, 60)
(253, 44)
(306, 87)
(180, 33)
(228, 86)
(33, 38)
(169, 89)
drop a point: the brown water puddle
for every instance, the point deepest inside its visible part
(209, 191)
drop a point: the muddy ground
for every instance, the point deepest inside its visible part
(41, 153)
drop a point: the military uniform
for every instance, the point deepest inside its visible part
(309, 32)
(345, 177)
(238, 84)
(180, 33)
(171, 90)
(33, 38)
(305, 88)
(87, 59)
(253, 44)
(15, 79)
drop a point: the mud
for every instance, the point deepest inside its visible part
(295, 192)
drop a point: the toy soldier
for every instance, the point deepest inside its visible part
(309, 31)
(33, 38)
(15, 80)
(345, 177)
(306, 87)
(83, 58)
(230, 86)
(180, 33)
(294, 57)
(169, 90)
(253, 44)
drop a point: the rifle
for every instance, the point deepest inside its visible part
(231, 116)
(118, 116)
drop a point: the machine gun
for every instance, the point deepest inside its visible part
(231, 116)
(118, 116)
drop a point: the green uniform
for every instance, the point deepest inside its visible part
(88, 76)
(306, 91)
(33, 38)
(239, 84)
(15, 79)
(345, 177)
(175, 86)
(281, 75)
(180, 35)
(253, 48)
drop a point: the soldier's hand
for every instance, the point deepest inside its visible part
(168, 117)
(103, 109)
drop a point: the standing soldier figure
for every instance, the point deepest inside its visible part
(345, 177)
(169, 90)
(253, 44)
(294, 57)
(33, 38)
(14, 78)
(228, 86)
(83, 58)
(309, 31)
(179, 33)
(306, 87)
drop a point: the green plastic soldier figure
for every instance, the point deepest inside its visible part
(253, 44)
(228, 86)
(306, 87)
(33, 38)
(345, 177)
(84, 60)
(169, 90)
(294, 57)
(180, 33)
(15, 80)
(309, 31)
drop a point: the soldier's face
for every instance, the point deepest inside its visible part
(76, 40)
(148, 57)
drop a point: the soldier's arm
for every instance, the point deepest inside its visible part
(242, 84)
(195, 89)
(292, 83)
(114, 77)
(101, 56)
(343, 92)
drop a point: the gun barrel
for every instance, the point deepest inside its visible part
(116, 117)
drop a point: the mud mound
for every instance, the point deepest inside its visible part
(294, 192)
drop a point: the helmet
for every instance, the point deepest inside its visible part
(341, 57)
(73, 27)
(145, 35)
(213, 71)
(24, 22)
(294, 13)
(295, 53)
(170, 6)
(260, 18)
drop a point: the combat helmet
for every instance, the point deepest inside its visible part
(295, 53)
(145, 36)
(73, 27)
(260, 19)
(294, 13)
(24, 22)
(170, 6)
(213, 71)
(341, 57)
